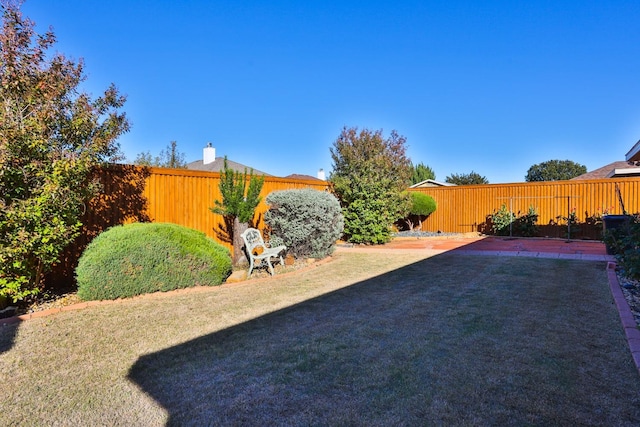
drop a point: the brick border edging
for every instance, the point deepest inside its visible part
(87, 304)
(631, 331)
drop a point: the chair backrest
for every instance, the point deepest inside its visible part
(252, 239)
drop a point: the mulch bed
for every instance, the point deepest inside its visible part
(631, 291)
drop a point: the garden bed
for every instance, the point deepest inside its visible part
(51, 300)
(631, 291)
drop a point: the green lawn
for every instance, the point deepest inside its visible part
(366, 339)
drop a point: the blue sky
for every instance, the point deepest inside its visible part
(492, 87)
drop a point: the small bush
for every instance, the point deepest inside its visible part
(571, 223)
(501, 221)
(526, 225)
(505, 223)
(625, 244)
(422, 205)
(139, 258)
(309, 222)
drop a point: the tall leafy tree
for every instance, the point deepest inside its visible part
(238, 204)
(466, 178)
(369, 175)
(51, 137)
(555, 170)
(170, 157)
(420, 173)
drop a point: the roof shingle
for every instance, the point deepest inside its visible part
(218, 165)
(606, 171)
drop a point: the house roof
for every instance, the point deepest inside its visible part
(218, 165)
(431, 183)
(634, 154)
(616, 169)
(299, 176)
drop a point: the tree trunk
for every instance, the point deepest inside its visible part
(238, 256)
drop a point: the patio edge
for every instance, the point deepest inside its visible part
(629, 324)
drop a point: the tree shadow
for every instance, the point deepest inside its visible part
(121, 200)
(8, 331)
(224, 232)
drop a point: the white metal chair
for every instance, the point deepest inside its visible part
(258, 251)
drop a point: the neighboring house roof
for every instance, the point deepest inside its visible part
(299, 176)
(634, 154)
(218, 165)
(620, 168)
(431, 183)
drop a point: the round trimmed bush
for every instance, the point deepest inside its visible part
(422, 204)
(309, 222)
(139, 258)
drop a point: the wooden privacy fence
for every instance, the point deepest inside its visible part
(184, 197)
(467, 208)
(179, 196)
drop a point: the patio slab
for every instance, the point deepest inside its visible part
(505, 246)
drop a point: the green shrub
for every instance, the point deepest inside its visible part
(53, 136)
(139, 258)
(526, 225)
(501, 221)
(572, 223)
(422, 205)
(625, 244)
(363, 224)
(370, 174)
(309, 222)
(505, 223)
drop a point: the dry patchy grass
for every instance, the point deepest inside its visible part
(367, 339)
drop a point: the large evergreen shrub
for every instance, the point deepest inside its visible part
(370, 176)
(139, 258)
(309, 222)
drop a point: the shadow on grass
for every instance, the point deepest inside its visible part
(8, 332)
(450, 339)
